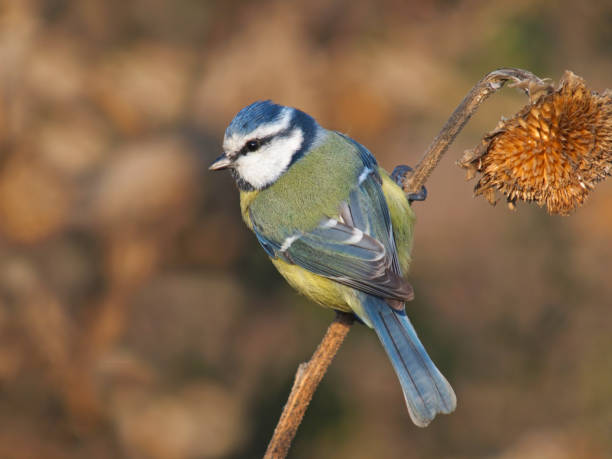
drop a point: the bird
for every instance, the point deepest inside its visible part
(338, 228)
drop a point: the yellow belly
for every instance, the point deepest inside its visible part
(319, 289)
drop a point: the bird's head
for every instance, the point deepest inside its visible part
(263, 140)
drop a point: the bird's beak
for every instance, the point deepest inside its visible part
(222, 162)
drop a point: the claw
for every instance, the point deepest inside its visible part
(420, 195)
(399, 175)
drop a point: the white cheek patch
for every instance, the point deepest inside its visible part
(264, 166)
(235, 142)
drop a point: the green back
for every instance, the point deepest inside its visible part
(310, 190)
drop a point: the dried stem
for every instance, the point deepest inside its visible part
(307, 379)
(310, 374)
(464, 111)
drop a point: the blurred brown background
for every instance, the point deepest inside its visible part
(140, 319)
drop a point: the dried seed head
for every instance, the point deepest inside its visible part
(552, 152)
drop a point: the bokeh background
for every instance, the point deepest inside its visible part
(140, 319)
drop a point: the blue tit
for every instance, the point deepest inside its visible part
(337, 228)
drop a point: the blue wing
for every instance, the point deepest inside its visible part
(356, 248)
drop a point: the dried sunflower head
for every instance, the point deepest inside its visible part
(552, 152)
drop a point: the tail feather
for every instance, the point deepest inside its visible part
(426, 390)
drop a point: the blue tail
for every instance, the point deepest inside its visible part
(426, 391)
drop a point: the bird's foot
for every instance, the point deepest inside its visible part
(421, 195)
(399, 175)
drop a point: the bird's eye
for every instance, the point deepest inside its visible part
(252, 145)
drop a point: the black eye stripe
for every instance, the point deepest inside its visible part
(264, 140)
(259, 143)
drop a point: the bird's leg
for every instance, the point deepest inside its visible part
(399, 175)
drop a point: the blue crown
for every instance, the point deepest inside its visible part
(254, 115)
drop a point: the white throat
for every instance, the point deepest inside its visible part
(264, 166)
